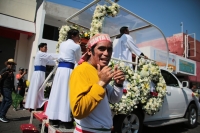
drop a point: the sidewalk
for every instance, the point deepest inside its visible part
(16, 119)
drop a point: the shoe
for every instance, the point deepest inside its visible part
(22, 108)
(54, 123)
(30, 110)
(66, 125)
(14, 109)
(40, 126)
(4, 119)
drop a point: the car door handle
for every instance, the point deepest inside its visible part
(168, 92)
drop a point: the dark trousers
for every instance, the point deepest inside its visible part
(21, 92)
(6, 101)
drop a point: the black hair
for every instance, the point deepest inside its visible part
(21, 68)
(41, 45)
(72, 32)
(122, 31)
(92, 49)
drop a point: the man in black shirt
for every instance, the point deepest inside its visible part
(6, 86)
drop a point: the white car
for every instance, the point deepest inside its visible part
(180, 105)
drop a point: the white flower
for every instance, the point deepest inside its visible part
(144, 73)
(122, 64)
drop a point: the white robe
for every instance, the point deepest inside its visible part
(58, 107)
(124, 47)
(34, 98)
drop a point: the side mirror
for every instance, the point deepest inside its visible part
(185, 84)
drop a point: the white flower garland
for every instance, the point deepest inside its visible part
(150, 72)
(96, 25)
(138, 88)
(62, 36)
(131, 96)
(100, 12)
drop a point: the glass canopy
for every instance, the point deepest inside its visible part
(147, 36)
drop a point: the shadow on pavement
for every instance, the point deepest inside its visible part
(20, 119)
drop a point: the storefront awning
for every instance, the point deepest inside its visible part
(17, 24)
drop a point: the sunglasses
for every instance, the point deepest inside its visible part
(10, 64)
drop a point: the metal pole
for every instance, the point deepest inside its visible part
(134, 63)
(44, 83)
(181, 27)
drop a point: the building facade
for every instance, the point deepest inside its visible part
(17, 30)
(25, 24)
(185, 45)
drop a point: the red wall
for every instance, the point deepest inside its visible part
(176, 46)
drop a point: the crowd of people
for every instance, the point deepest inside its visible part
(7, 87)
(80, 89)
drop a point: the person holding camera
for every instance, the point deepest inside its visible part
(21, 84)
(6, 86)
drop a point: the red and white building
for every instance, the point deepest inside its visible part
(185, 45)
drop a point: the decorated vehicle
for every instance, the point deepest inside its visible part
(180, 105)
(152, 96)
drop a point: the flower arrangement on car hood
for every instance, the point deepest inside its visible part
(137, 88)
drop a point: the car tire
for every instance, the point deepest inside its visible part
(192, 116)
(131, 123)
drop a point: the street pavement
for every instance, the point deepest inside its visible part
(175, 128)
(23, 117)
(16, 119)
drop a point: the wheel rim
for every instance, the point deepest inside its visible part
(131, 124)
(193, 116)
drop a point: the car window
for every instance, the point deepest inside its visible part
(169, 79)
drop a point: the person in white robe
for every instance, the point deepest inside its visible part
(58, 108)
(124, 46)
(35, 98)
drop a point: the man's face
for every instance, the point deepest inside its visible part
(102, 54)
(127, 31)
(10, 65)
(76, 38)
(21, 71)
(44, 49)
(83, 47)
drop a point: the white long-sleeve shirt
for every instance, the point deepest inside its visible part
(124, 47)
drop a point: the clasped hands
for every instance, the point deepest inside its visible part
(106, 74)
